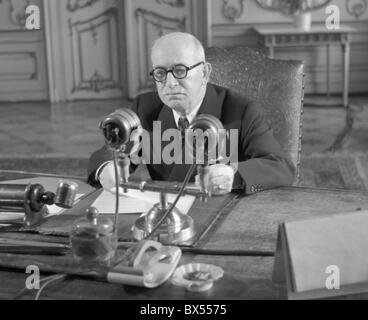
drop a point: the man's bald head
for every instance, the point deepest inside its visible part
(181, 51)
(181, 40)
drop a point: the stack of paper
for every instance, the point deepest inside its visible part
(135, 201)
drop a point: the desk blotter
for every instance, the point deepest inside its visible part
(203, 214)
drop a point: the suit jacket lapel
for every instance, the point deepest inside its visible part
(167, 118)
(212, 102)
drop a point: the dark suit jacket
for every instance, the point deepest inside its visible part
(261, 161)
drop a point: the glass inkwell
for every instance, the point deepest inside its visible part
(93, 239)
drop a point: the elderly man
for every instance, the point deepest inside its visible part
(182, 77)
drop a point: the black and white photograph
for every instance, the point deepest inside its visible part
(183, 155)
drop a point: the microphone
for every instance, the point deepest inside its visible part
(208, 134)
(33, 198)
(117, 129)
(208, 137)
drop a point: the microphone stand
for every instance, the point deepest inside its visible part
(179, 227)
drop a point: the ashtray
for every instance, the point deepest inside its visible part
(196, 277)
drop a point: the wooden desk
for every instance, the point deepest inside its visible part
(273, 38)
(251, 225)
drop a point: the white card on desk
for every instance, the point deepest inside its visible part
(135, 201)
(323, 257)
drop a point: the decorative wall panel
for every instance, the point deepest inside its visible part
(233, 9)
(172, 3)
(94, 45)
(86, 49)
(22, 54)
(356, 8)
(74, 5)
(353, 13)
(12, 13)
(18, 66)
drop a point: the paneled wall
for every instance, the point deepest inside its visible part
(100, 48)
(22, 55)
(86, 49)
(232, 22)
(97, 49)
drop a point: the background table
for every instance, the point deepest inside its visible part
(251, 225)
(273, 38)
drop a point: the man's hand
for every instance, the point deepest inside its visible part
(107, 176)
(220, 179)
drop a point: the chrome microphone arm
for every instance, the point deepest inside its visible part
(163, 186)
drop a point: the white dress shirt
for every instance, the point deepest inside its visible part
(189, 116)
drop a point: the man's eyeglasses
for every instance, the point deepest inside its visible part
(179, 71)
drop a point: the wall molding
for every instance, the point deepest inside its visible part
(160, 22)
(172, 3)
(22, 71)
(17, 12)
(227, 35)
(75, 5)
(356, 8)
(232, 9)
(79, 30)
(13, 56)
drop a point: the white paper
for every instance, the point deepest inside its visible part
(55, 210)
(10, 216)
(135, 201)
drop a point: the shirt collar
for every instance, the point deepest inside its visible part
(190, 116)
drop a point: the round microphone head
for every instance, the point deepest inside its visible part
(206, 122)
(118, 126)
(65, 194)
(207, 133)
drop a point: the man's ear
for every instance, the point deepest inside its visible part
(207, 71)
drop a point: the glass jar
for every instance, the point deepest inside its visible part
(93, 238)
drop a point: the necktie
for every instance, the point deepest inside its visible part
(183, 124)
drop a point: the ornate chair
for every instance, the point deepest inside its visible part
(277, 84)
